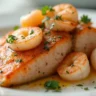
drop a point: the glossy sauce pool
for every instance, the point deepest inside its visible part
(87, 84)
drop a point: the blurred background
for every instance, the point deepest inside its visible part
(12, 6)
(13, 9)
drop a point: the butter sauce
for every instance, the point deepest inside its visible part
(39, 84)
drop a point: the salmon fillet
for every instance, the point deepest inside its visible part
(21, 67)
(85, 40)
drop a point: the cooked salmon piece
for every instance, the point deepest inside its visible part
(22, 67)
(85, 40)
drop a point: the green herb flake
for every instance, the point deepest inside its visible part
(42, 26)
(32, 31)
(60, 37)
(79, 85)
(47, 33)
(67, 72)
(11, 39)
(51, 9)
(86, 88)
(58, 17)
(18, 60)
(53, 39)
(46, 42)
(52, 25)
(46, 8)
(1, 71)
(85, 19)
(52, 85)
(46, 47)
(22, 37)
(15, 54)
(45, 19)
(16, 27)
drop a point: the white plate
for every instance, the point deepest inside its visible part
(13, 19)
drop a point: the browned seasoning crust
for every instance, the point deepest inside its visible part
(22, 67)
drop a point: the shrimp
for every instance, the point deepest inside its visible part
(74, 67)
(67, 11)
(32, 19)
(58, 25)
(25, 38)
(65, 18)
(93, 58)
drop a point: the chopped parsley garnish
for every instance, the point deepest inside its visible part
(52, 25)
(16, 27)
(42, 26)
(45, 19)
(18, 60)
(46, 47)
(79, 85)
(52, 85)
(85, 19)
(46, 42)
(67, 72)
(47, 33)
(1, 71)
(15, 54)
(60, 37)
(86, 88)
(58, 17)
(22, 37)
(11, 39)
(46, 8)
(32, 31)
(53, 39)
